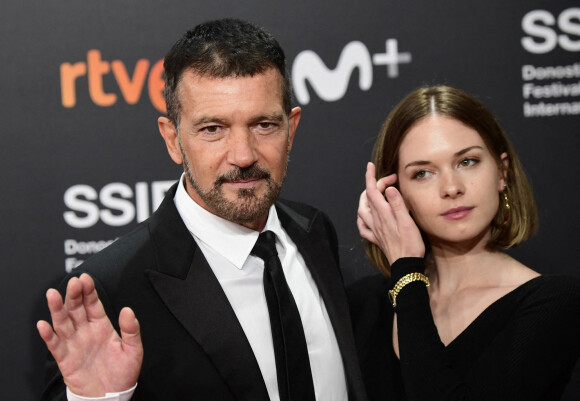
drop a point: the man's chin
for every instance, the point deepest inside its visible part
(246, 212)
(246, 206)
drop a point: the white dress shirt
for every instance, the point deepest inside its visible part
(227, 247)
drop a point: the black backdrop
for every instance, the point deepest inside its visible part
(82, 160)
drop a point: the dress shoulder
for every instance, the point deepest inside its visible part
(554, 289)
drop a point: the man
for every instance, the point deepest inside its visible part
(190, 273)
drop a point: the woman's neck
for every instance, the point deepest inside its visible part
(460, 265)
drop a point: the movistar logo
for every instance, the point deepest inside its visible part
(331, 84)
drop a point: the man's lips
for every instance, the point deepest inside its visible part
(247, 183)
(457, 213)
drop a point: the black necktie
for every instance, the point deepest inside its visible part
(292, 363)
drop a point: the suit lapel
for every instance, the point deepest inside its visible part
(192, 293)
(316, 250)
(313, 242)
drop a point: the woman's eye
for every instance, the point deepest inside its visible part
(421, 174)
(468, 162)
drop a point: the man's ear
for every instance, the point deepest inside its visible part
(293, 120)
(503, 170)
(169, 133)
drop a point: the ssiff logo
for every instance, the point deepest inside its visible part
(545, 32)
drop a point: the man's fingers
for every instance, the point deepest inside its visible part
(47, 334)
(88, 283)
(92, 303)
(51, 339)
(74, 302)
(63, 325)
(130, 330)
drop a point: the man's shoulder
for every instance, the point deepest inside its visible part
(151, 241)
(301, 213)
(297, 207)
(114, 257)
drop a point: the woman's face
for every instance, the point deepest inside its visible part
(449, 179)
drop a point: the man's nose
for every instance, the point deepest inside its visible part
(242, 150)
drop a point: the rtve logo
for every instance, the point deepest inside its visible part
(130, 87)
(330, 85)
(543, 29)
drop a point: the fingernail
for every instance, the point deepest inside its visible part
(391, 194)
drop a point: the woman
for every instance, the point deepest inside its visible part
(458, 319)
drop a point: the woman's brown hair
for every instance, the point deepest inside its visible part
(506, 230)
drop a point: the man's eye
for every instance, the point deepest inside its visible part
(265, 125)
(212, 129)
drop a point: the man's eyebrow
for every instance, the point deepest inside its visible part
(278, 117)
(208, 120)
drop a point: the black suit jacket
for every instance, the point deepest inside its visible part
(195, 348)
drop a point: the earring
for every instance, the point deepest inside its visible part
(507, 207)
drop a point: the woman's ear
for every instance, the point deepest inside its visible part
(503, 171)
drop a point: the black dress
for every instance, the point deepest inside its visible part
(522, 347)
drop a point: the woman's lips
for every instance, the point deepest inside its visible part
(457, 213)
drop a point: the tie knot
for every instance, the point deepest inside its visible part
(265, 246)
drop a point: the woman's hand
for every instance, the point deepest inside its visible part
(387, 222)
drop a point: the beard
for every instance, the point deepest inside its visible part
(248, 206)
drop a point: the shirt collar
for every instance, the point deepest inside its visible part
(231, 240)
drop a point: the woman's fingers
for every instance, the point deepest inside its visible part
(385, 182)
(383, 218)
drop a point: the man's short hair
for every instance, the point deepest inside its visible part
(219, 49)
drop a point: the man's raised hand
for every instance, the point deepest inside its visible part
(93, 359)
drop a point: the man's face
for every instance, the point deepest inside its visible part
(233, 140)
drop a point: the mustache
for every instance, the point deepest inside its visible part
(246, 173)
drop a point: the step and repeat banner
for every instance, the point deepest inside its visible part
(83, 162)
